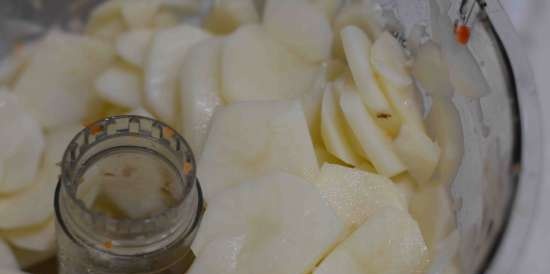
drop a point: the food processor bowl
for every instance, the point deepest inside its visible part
(494, 193)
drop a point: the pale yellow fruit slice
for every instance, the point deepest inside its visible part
(200, 91)
(256, 67)
(357, 47)
(323, 156)
(163, 67)
(418, 152)
(139, 13)
(266, 226)
(301, 26)
(356, 195)
(120, 86)
(61, 73)
(431, 72)
(36, 238)
(21, 145)
(312, 101)
(431, 208)
(12, 65)
(389, 61)
(133, 46)
(248, 139)
(141, 112)
(388, 242)
(227, 15)
(374, 142)
(329, 7)
(336, 134)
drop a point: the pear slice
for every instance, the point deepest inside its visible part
(418, 153)
(227, 15)
(336, 134)
(61, 73)
(389, 61)
(7, 259)
(389, 242)
(375, 143)
(357, 47)
(356, 195)
(12, 65)
(133, 46)
(431, 71)
(312, 102)
(248, 139)
(120, 86)
(139, 13)
(37, 238)
(21, 145)
(200, 91)
(301, 26)
(256, 67)
(163, 66)
(329, 7)
(274, 224)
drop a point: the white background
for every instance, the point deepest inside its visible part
(531, 19)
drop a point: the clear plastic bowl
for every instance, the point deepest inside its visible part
(495, 190)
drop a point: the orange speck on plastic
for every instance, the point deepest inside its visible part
(108, 245)
(187, 168)
(462, 34)
(167, 132)
(95, 128)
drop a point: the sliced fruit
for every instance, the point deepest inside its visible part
(227, 15)
(27, 258)
(444, 255)
(312, 101)
(45, 85)
(248, 139)
(431, 208)
(120, 86)
(301, 26)
(21, 145)
(12, 65)
(36, 238)
(357, 47)
(389, 242)
(133, 46)
(323, 156)
(404, 102)
(445, 128)
(389, 61)
(109, 30)
(103, 14)
(139, 13)
(364, 14)
(272, 236)
(356, 195)
(141, 112)
(374, 142)
(166, 19)
(406, 185)
(256, 67)
(366, 166)
(336, 134)
(418, 152)
(168, 51)
(7, 259)
(57, 141)
(200, 91)
(431, 71)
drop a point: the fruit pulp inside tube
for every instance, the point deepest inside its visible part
(131, 184)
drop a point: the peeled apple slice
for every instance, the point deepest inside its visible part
(431, 71)
(265, 226)
(444, 253)
(301, 26)
(336, 134)
(200, 91)
(226, 16)
(12, 65)
(37, 238)
(329, 7)
(248, 139)
(404, 102)
(388, 242)
(133, 46)
(376, 144)
(34, 204)
(418, 152)
(56, 87)
(140, 112)
(357, 47)
(431, 208)
(445, 128)
(324, 156)
(312, 101)
(21, 145)
(168, 51)
(139, 13)
(7, 259)
(406, 185)
(356, 195)
(120, 86)
(389, 61)
(256, 67)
